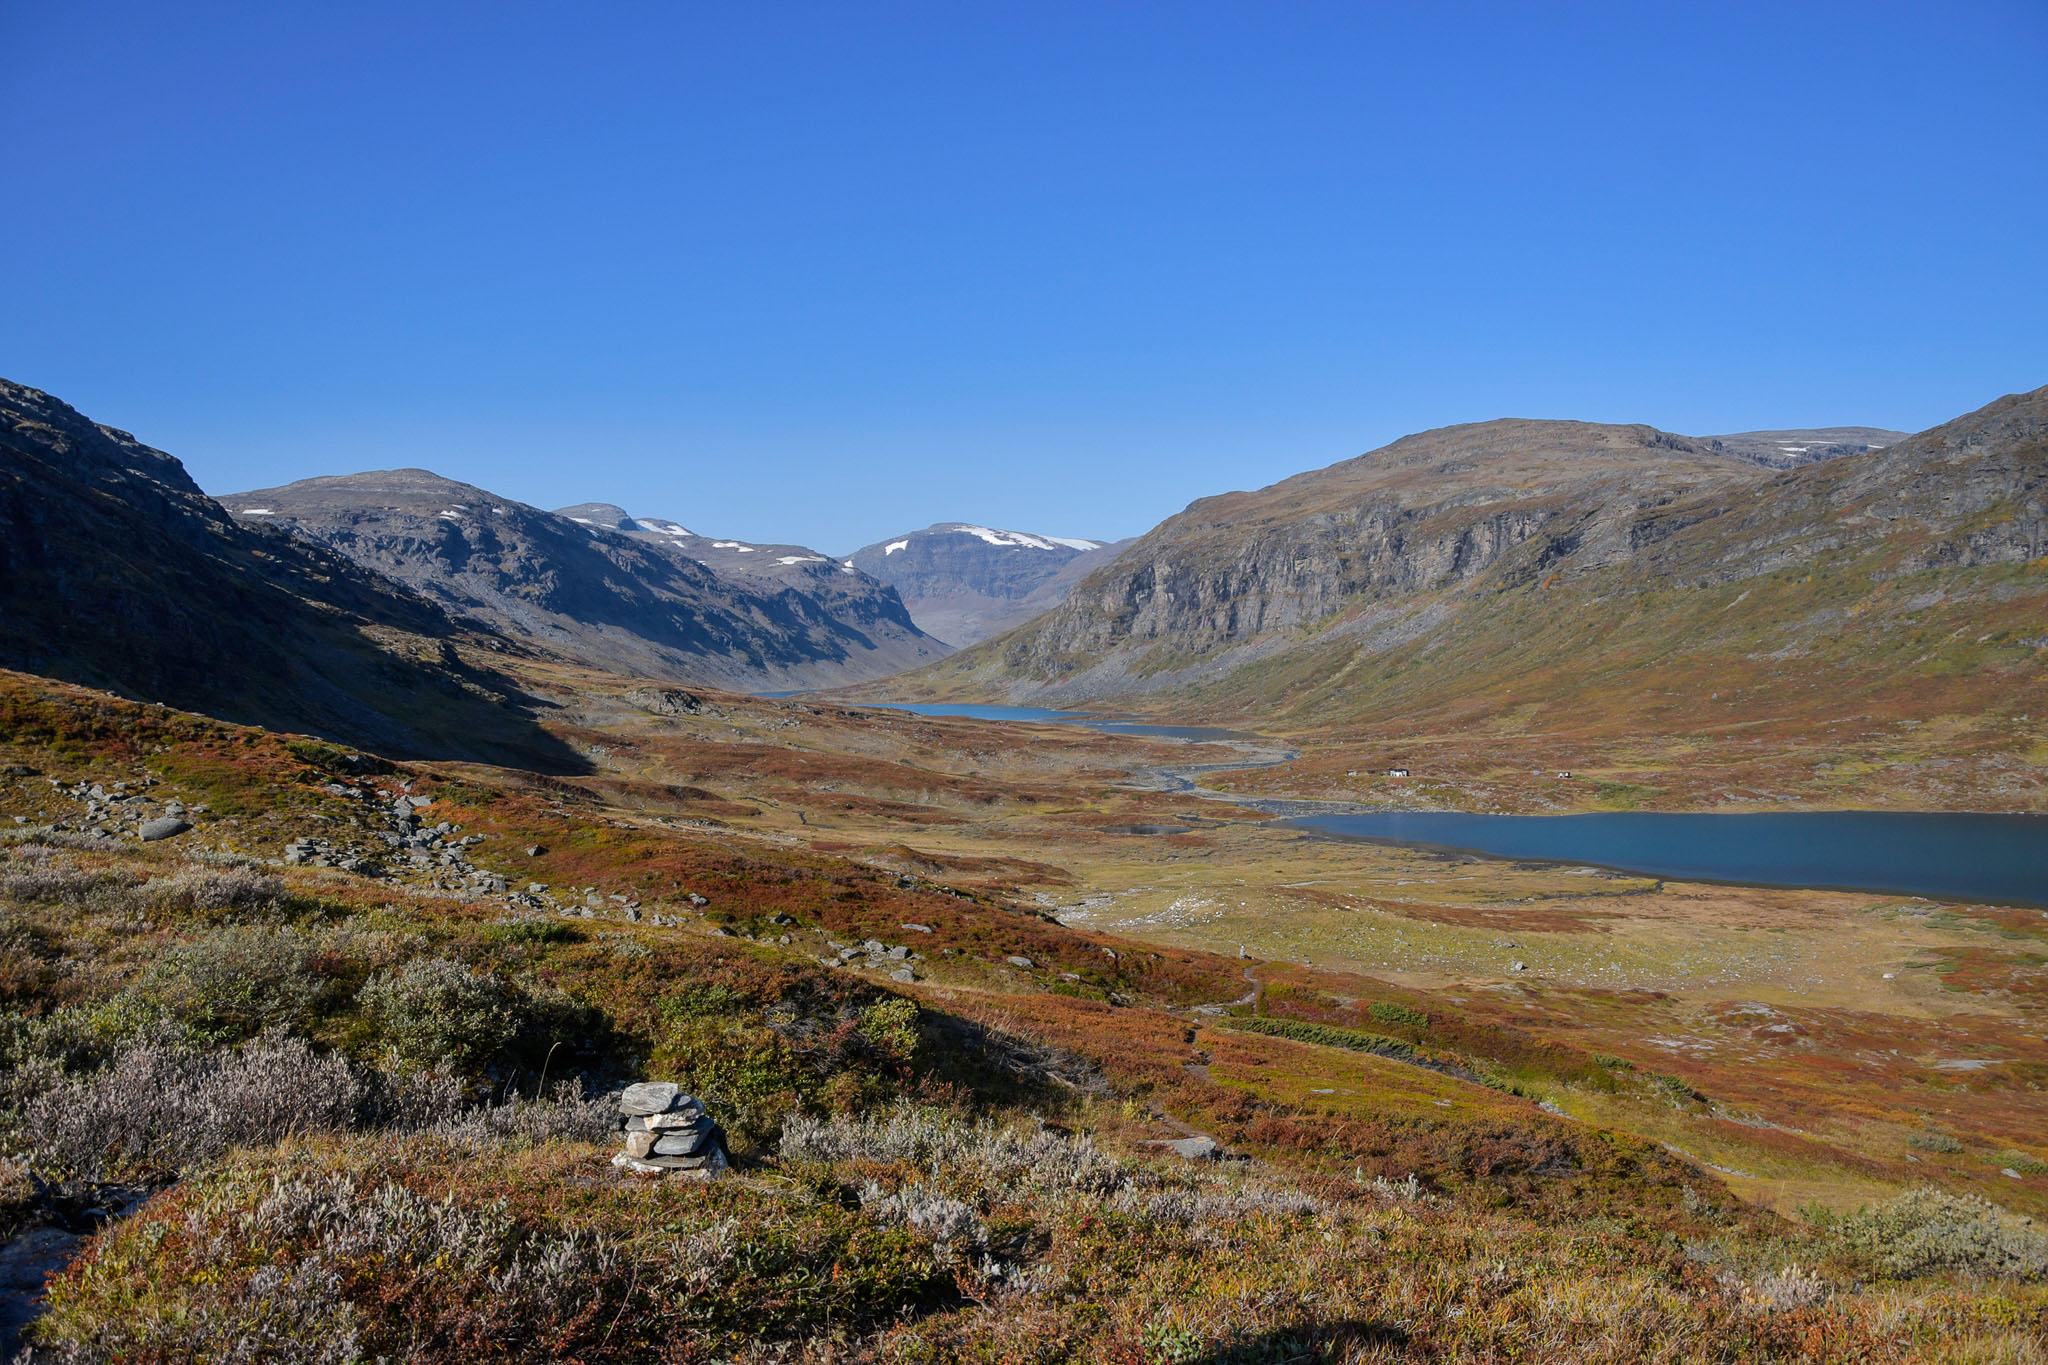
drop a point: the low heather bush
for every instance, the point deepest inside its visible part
(161, 1106)
(27, 954)
(89, 890)
(1221, 1204)
(207, 890)
(338, 1228)
(930, 1211)
(84, 841)
(1786, 1288)
(984, 1153)
(563, 1115)
(1934, 1142)
(279, 1315)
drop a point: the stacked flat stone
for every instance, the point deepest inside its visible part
(668, 1133)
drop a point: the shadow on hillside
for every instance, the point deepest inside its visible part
(1009, 1065)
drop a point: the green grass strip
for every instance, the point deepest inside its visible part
(1329, 1035)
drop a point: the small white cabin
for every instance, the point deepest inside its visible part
(1397, 772)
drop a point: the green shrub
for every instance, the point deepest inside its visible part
(1328, 1035)
(237, 982)
(340, 762)
(891, 1025)
(37, 1050)
(1926, 1230)
(535, 930)
(1934, 1142)
(1388, 1012)
(434, 1012)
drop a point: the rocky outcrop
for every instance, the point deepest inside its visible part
(609, 596)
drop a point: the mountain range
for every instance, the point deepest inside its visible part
(1790, 449)
(598, 587)
(1504, 573)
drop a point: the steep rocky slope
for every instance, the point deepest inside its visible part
(847, 595)
(964, 583)
(1430, 512)
(116, 571)
(1545, 577)
(596, 594)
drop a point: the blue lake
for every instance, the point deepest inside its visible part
(975, 710)
(1996, 858)
(1945, 856)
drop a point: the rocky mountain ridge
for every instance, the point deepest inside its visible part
(848, 596)
(621, 597)
(1428, 512)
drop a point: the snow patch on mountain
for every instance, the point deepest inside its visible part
(1019, 540)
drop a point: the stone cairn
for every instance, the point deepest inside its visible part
(668, 1133)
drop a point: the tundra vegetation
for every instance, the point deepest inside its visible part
(313, 1112)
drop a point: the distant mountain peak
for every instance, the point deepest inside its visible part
(607, 515)
(964, 582)
(1789, 449)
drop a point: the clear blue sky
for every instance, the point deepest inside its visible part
(827, 272)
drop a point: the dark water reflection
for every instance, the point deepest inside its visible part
(1999, 858)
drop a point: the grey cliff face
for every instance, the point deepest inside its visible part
(846, 595)
(1434, 511)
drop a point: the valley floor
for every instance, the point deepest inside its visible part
(1477, 1109)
